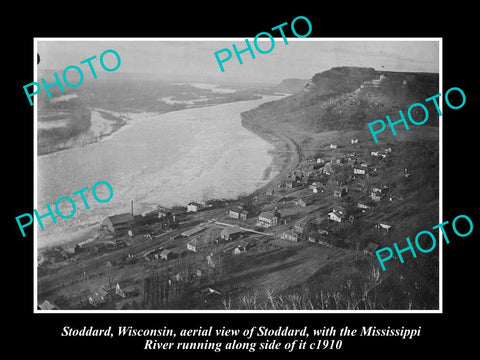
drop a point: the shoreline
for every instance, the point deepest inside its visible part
(100, 128)
(282, 144)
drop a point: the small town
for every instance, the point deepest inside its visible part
(205, 254)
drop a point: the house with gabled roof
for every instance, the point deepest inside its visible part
(231, 233)
(378, 192)
(360, 170)
(363, 206)
(165, 254)
(338, 214)
(193, 245)
(239, 249)
(98, 297)
(235, 212)
(383, 226)
(340, 191)
(301, 224)
(303, 202)
(290, 235)
(289, 184)
(194, 206)
(335, 217)
(267, 219)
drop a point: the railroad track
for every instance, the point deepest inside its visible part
(51, 282)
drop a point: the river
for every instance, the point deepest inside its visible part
(167, 159)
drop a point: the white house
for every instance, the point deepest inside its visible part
(192, 245)
(290, 235)
(193, 206)
(337, 214)
(354, 141)
(267, 219)
(383, 226)
(360, 170)
(239, 250)
(333, 216)
(363, 206)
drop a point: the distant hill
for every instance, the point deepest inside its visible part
(291, 85)
(348, 98)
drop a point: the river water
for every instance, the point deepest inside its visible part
(168, 159)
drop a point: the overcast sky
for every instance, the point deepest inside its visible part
(300, 58)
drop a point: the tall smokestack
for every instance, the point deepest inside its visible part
(132, 206)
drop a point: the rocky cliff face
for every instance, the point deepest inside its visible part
(341, 79)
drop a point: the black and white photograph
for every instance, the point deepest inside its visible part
(214, 180)
(238, 175)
